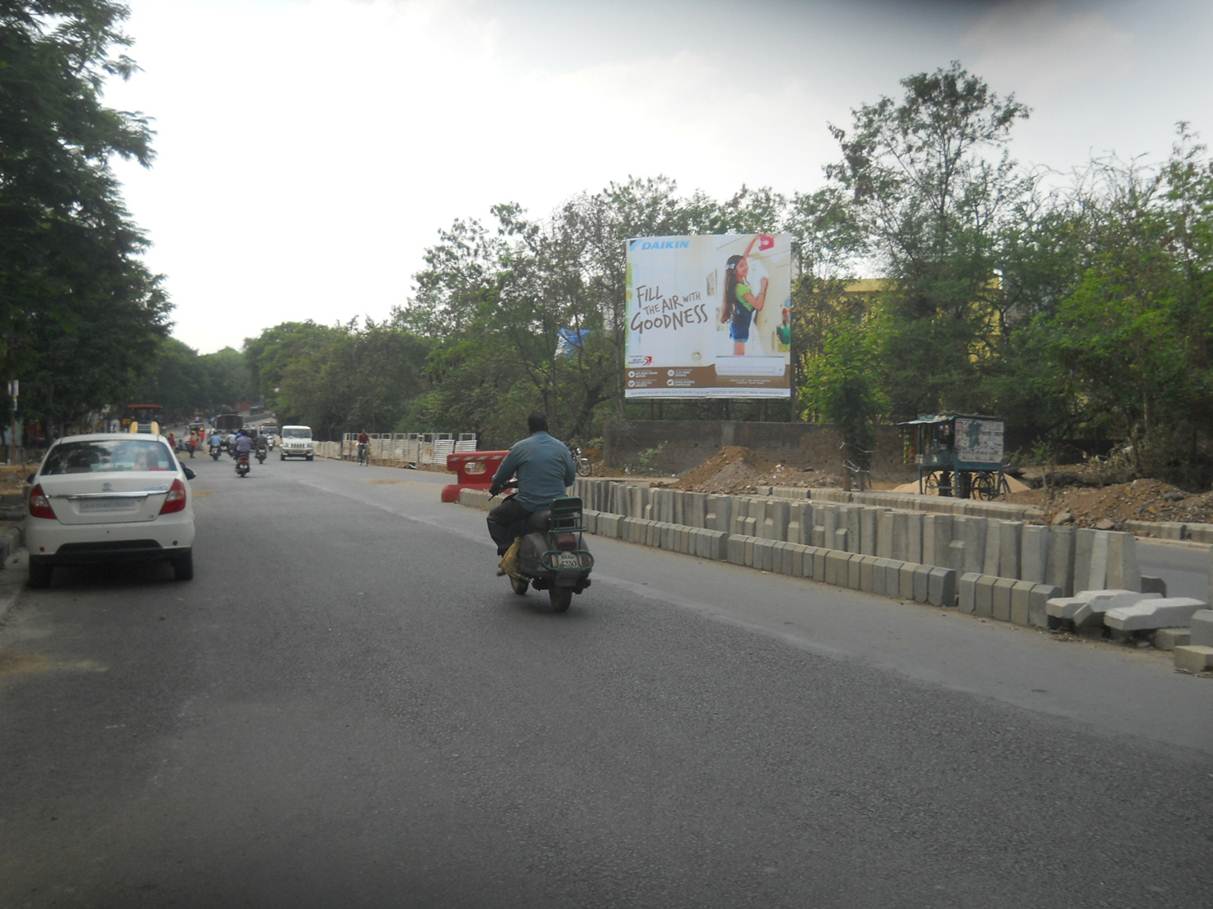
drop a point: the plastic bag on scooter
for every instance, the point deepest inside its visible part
(530, 553)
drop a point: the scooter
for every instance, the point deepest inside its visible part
(551, 553)
(242, 465)
(261, 452)
(215, 452)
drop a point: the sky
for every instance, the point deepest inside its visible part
(309, 151)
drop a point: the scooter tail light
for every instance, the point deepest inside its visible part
(566, 541)
(175, 500)
(40, 504)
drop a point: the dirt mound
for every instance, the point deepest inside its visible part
(1139, 500)
(734, 469)
(739, 470)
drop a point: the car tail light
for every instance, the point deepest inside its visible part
(175, 500)
(40, 504)
(566, 541)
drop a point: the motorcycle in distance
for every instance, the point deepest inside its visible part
(215, 452)
(585, 467)
(551, 553)
(242, 464)
(261, 452)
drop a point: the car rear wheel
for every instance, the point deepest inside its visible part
(39, 573)
(309, 457)
(183, 566)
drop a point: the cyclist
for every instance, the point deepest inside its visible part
(363, 441)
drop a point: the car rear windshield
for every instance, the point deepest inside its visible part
(109, 455)
(296, 432)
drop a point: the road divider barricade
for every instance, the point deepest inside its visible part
(1002, 570)
(473, 471)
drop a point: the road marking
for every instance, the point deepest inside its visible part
(29, 663)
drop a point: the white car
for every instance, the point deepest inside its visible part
(109, 497)
(296, 443)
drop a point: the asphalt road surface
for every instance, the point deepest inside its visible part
(347, 708)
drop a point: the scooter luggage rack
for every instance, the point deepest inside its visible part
(565, 515)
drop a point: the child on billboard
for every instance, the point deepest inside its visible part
(740, 301)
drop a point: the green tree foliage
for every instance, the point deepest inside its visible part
(842, 387)
(1134, 334)
(80, 316)
(932, 186)
(338, 378)
(1073, 312)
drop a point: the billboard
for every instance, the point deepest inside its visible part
(709, 317)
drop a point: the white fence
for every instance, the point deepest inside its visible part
(401, 447)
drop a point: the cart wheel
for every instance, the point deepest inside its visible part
(985, 487)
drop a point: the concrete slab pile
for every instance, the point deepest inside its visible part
(1151, 614)
(1091, 613)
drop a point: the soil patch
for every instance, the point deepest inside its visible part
(739, 470)
(1137, 500)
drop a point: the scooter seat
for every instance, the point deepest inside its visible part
(539, 521)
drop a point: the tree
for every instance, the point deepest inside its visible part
(931, 186)
(80, 316)
(841, 386)
(1134, 335)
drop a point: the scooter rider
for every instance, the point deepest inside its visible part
(243, 445)
(544, 469)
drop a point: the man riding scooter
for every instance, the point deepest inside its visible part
(241, 449)
(544, 469)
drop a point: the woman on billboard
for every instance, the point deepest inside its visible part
(740, 302)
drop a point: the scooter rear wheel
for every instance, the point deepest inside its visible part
(519, 585)
(561, 598)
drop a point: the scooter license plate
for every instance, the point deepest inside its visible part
(568, 560)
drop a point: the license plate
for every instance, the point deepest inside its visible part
(568, 560)
(99, 505)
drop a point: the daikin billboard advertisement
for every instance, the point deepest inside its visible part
(709, 317)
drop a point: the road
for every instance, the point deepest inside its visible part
(346, 707)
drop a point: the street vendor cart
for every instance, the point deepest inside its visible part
(957, 455)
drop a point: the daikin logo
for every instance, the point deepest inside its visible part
(665, 244)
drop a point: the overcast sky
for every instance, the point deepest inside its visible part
(308, 151)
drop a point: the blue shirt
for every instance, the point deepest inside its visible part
(544, 467)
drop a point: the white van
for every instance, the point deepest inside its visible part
(296, 443)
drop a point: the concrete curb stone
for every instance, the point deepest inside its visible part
(1193, 658)
(1002, 599)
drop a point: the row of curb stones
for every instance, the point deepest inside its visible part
(866, 573)
(1017, 602)
(869, 574)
